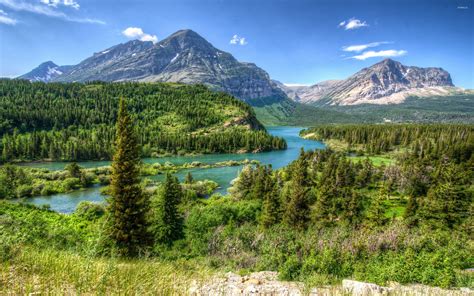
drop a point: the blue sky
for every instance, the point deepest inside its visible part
(297, 41)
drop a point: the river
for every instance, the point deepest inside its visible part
(67, 202)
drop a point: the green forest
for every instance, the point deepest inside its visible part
(73, 121)
(381, 203)
(329, 215)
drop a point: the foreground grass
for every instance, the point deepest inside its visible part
(60, 272)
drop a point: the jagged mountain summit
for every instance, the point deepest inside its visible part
(183, 57)
(387, 82)
(45, 72)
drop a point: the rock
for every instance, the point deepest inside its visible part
(267, 283)
(253, 281)
(387, 82)
(183, 57)
(362, 289)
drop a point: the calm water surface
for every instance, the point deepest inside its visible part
(67, 202)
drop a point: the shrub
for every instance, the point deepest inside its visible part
(89, 210)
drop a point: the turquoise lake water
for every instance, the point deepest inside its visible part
(67, 202)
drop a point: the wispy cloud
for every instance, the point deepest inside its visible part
(361, 47)
(48, 10)
(236, 39)
(382, 53)
(352, 24)
(137, 33)
(5, 19)
(55, 3)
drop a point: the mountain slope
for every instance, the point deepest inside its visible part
(183, 57)
(75, 121)
(45, 72)
(387, 82)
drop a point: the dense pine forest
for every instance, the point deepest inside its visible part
(76, 121)
(331, 214)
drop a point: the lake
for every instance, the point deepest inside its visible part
(67, 202)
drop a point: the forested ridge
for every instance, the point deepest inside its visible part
(453, 140)
(73, 121)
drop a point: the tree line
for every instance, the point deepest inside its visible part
(455, 141)
(75, 121)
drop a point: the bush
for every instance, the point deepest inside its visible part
(89, 210)
(291, 269)
(24, 190)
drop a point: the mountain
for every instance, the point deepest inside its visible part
(387, 82)
(183, 57)
(45, 72)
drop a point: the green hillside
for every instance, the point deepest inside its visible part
(449, 109)
(73, 121)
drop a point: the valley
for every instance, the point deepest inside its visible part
(223, 174)
(241, 148)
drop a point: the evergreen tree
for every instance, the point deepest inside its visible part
(376, 210)
(167, 222)
(241, 188)
(323, 212)
(351, 206)
(189, 178)
(297, 206)
(411, 211)
(74, 170)
(271, 208)
(128, 205)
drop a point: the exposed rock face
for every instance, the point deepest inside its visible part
(183, 57)
(387, 82)
(267, 283)
(45, 72)
(316, 91)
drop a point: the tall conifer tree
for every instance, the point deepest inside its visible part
(128, 205)
(167, 221)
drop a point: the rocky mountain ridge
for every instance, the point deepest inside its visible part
(45, 72)
(183, 57)
(386, 82)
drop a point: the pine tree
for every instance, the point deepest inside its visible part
(167, 222)
(351, 206)
(189, 178)
(411, 211)
(271, 208)
(323, 212)
(241, 188)
(128, 205)
(376, 211)
(74, 170)
(297, 207)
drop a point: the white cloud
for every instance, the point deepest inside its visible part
(352, 24)
(47, 10)
(236, 39)
(5, 19)
(55, 3)
(137, 33)
(381, 53)
(361, 47)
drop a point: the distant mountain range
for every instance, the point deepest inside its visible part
(183, 57)
(186, 57)
(46, 72)
(387, 82)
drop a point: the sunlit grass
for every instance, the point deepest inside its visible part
(58, 273)
(376, 160)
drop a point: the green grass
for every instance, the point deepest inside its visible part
(376, 160)
(395, 207)
(51, 272)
